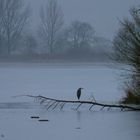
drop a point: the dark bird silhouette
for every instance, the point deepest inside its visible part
(79, 93)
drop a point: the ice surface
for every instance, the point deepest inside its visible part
(62, 82)
(70, 125)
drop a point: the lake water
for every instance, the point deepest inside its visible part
(61, 81)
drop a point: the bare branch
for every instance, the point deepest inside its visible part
(122, 107)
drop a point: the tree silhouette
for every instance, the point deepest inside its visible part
(13, 18)
(127, 50)
(51, 23)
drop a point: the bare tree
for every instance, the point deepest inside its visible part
(127, 50)
(30, 43)
(51, 23)
(1, 17)
(80, 34)
(14, 17)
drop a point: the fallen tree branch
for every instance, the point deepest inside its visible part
(55, 102)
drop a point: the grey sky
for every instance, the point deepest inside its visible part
(102, 14)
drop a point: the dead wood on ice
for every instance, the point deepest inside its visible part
(53, 103)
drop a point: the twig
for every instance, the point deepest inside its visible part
(91, 107)
(79, 106)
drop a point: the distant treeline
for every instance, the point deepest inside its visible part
(51, 38)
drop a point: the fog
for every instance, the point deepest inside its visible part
(81, 30)
(103, 15)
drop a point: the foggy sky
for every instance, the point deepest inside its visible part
(102, 14)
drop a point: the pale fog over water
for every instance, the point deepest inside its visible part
(61, 81)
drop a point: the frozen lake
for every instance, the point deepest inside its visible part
(62, 81)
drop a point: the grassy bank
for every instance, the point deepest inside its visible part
(131, 98)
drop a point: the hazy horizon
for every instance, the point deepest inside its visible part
(103, 15)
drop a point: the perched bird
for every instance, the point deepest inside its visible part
(79, 93)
